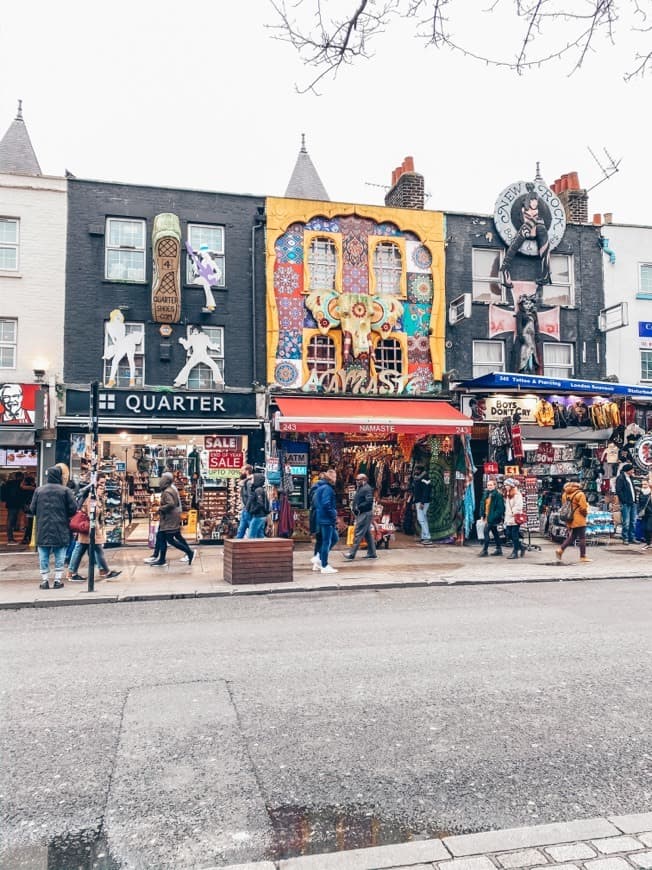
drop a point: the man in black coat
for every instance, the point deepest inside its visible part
(52, 506)
(363, 508)
(627, 498)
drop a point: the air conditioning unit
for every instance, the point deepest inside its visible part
(613, 317)
(459, 308)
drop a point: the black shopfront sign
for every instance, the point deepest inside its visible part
(163, 405)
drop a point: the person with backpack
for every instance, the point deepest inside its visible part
(257, 506)
(574, 508)
(170, 522)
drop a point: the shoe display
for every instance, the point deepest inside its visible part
(44, 585)
(328, 570)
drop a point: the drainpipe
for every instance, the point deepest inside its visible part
(259, 223)
(604, 244)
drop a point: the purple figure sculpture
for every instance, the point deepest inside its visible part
(206, 271)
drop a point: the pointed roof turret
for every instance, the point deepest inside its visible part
(305, 183)
(17, 155)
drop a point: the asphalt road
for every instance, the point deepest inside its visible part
(207, 732)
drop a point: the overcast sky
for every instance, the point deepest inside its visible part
(198, 94)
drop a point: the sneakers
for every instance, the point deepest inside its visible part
(315, 559)
(316, 566)
(370, 557)
(57, 584)
(328, 570)
(348, 557)
(110, 575)
(559, 553)
(496, 553)
(157, 564)
(44, 585)
(150, 560)
(75, 578)
(187, 560)
(585, 559)
(645, 546)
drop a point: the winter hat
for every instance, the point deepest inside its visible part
(509, 481)
(627, 467)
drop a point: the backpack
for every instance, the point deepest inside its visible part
(567, 510)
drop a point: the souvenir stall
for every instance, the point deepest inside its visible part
(386, 446)
(582, 431)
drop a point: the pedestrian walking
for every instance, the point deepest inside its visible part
(52, 507)
(363, 509)
(83, 543)
(421, 489)
(313, 525)
(170, 522)
(627, 498)
(245, 492)
(13, 497)
(326, 518)
(644, 513)
(573, 495)
(513, 513)
(257, 506)
(493, 513)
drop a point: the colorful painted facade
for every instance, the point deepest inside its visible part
(355, 298)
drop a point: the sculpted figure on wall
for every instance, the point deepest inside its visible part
(118, 344)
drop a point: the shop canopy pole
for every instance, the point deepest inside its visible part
(94, 427)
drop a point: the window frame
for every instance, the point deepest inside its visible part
(107, 362)
(6, 246)
(476, 365)
(642, 293)
(219, 255)
(487, 280)
(10, 344)
(548, 288)
(130, 248)
(569, 371)
(401, 340)
(307, 337)
(309, 237)
(642, 351)
(373, 243)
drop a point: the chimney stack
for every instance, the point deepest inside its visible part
(574, 198)
(407, 189)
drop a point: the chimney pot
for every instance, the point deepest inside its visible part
(597, 220)
(608, 217)
(573, 181)
(564, 182)
(408, 164)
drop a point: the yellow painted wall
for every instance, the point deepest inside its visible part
(428, 226)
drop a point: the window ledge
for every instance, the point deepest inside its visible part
(638, 295)
(115, 281)
(5, 273)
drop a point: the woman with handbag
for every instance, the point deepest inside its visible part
(645, 513)
(573, 495)
(514, 516)
(83, 538)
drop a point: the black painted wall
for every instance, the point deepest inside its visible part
(577, 325)
(90, 298)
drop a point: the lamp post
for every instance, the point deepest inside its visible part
(93, 425)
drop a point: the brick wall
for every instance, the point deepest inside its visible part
(408, 192)
(90, 298)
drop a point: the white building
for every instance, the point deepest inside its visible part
(33, 215)
(629, 280)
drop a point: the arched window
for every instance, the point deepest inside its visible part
(322, 263)
(388, 354)
(321, 354)
(388, 268)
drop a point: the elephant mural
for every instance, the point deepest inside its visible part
(357, 314)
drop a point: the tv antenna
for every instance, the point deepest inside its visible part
(607, 168)
(386, 187)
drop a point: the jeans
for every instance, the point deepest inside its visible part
(363, 530)
(59, 554)
(79, 552)
(513, 534)
(329, 538)
(177, 540)
(628, 517)
(491, 530)
(577, 534)
(245, 519)
(257, 527)
(422, 518)
(12, 522)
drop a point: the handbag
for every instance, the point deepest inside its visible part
(80, 523)
(641, 514)
(520, 519)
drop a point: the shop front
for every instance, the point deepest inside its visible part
(203, 438)
(386, 439)
(546, 431)
(21, 420)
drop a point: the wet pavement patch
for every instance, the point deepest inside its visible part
(316, 830)
(87, 850)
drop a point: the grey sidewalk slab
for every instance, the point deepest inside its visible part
(637, 823)
(374, 858)
(522, 838)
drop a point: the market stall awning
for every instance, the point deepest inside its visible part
(364, 416)
(505, 381)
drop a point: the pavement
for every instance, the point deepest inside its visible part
(405, 564)
(610, 843)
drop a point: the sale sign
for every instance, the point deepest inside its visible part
(224, 459)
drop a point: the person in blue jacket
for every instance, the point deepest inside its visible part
(326, 517)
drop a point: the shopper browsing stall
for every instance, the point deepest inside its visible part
(574, 497)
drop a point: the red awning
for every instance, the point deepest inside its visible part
(370, 416)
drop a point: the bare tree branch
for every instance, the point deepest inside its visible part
(326, 42)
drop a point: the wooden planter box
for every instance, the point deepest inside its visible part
(258, 560)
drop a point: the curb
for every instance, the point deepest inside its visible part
(482, 850)
(290, 590)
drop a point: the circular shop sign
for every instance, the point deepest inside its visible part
(166, 330)
(508, 220)
(642, 453)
